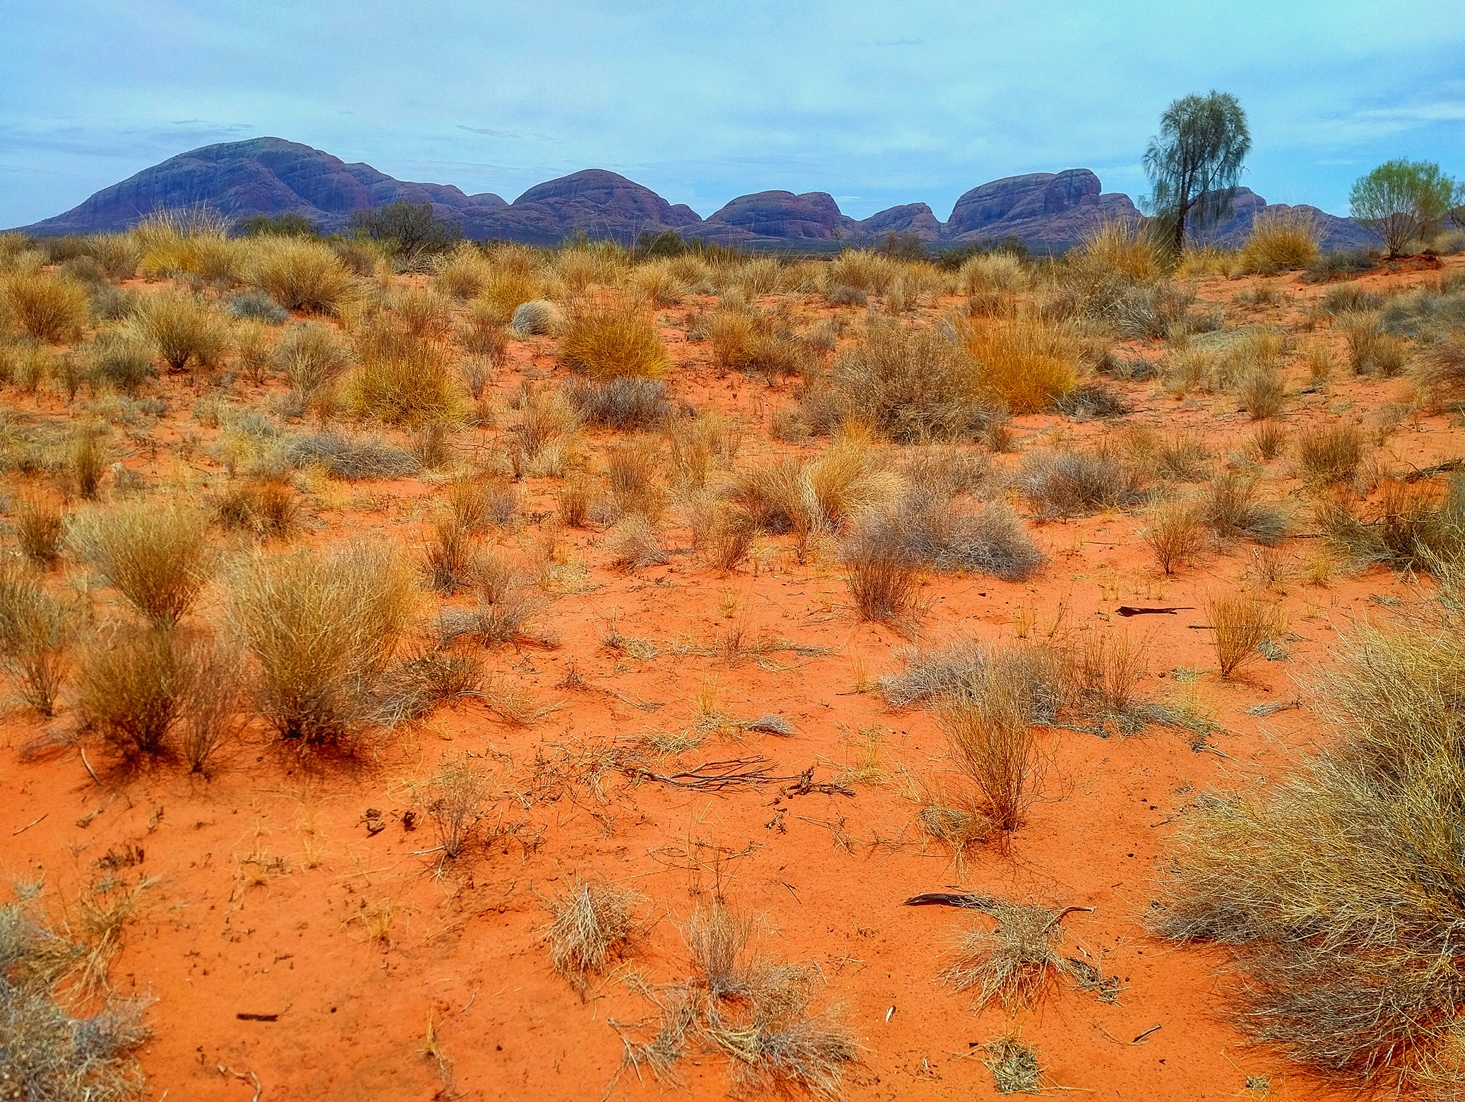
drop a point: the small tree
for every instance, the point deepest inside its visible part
(407, 228)
(1403, 201)
(1195, 162)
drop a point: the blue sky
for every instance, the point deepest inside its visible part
(877, 103)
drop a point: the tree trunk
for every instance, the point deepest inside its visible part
(1182, 211)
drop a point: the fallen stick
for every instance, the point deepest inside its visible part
(33, 822)
(1132, 610)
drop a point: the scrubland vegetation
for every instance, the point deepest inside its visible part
(620, 609)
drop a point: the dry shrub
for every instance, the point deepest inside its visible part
(39, 528)
(614, 340)
(1372, 351)
(455, 804)
(1108, 669)
(322, 628)
(1336, 886)
(1280, 241)
(1014, 1066)
(988, 724)
(131, 688)
(1443, 369)
(462, 273)
(448, 554)
(122, 358)
(591, 921)
(47, 1053)
(157, 556)
(930, 529)
(1174, 533)
(311, 357)
(1239, 624)
(915, 385)
(350, 457)
(403, 378)
(189, 242)
(635, 544)
(1331, 454)
(183, 329)
(1015, 963)
(884, 587)
(505, 604)
(422, 311)
(623, 403)
(1029, 364)
(43, 306)
(300, 274)
(574, 502)
(1412, 527)
(728, 540)
(631, 475)
(1076, 483)
(36, 633)
(1231, 509)
(266, 508)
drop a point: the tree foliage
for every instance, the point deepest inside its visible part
(1194, 163)
(406, 228)
(1403, 201)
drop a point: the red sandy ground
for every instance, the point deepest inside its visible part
(270, 896)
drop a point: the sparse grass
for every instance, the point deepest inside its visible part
(44, 306)
(1231, 508)
(932, 530)
(614, 340)
(1412, 527)
(36, 634)
(47, 1053)
(1330, 454)
(1174, 533)
(349, 457)
(131, 689)
(631, 471)
(87, 459)
(448, 553)
(300, 274)
(321, 628)
(883, 584)
(157, 556)
(1334, 885)
(505, 604)
(1240, 623)
(592, 920)
(1372, 351)
(455, 804)
(311, 358)
(264, 507)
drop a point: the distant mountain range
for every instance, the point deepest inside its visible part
(1048, 212)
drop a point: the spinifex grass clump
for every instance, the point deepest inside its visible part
(1338, 886)
(614, 340)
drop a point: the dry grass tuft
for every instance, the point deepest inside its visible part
(264, 507)
(1336, 885)
(1231, 508)
(1239, 624)
(1028, 364)
(449, 552)
(455, 804)
(885, 587)
(39, 528)
(1412, 527)
(1014, 963)
(635, 544)
(591, 921)
(1014, 1066)
(36, 633)
(1330, 455)
(1280, 241)
(403, 378)
(931, 529)
(157, 556)
(614, 340)
(1073, 483)
(505, 604)
(311, 358)
(1174, 533)
(43, 306)
(301, 275)
(623, 404)
(183, 329)
(131, 690)
(321, 629)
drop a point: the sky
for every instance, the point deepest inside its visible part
(876, 103)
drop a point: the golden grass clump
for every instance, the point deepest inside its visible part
(999, 272)
(1336, 886)
(1029, 364)
(1330, 454)
(463, 273)
(266, 508)
(1280, 240)
(1124, 249)
(321, 629)
(300, 274)
(187, 242)
(1240, 623)
(44, 306)
(401, 378)
(39, 529)
(614, 340)
(156, 555)
(184, 329)
(755, 342)
(311, 357)
(131, 688)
